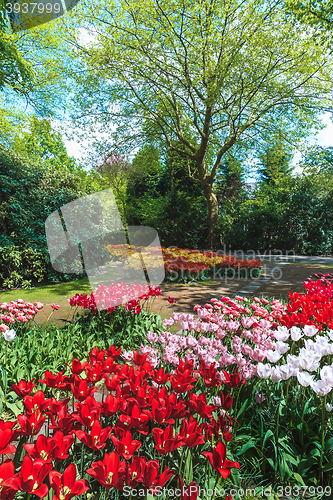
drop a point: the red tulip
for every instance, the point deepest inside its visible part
(139, 359)
(233, 379)
(6, 471)
(110, 472)
(160, 377)
(30, 478)
(24, 388)
(112, 383)
(6, 436)
(217, 459)
(32, 424)
(53, 448)
(65, 485)
(160, 414)
(209, 375)
(66, 422)
(151, 479)
(95, 373)
(81, 389)
(51, 380)
(61, 445)
(134, 471)
(36, 402)
(198, 404)
(77, 368)
(226, 401)
(111, 405)
(192, 491)
(96, 355)
(113, 353)
(96, 440)
(165, 442)
(182, 383)
(191, 433)
(87, 413)
(125, 445)
(135, 418)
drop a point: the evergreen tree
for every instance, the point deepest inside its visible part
(275, 163)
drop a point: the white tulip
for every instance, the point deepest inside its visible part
(281, 347)
(264, 370)
(295, 333)
(304, 378)
(321, 388)
(326, 374)
(276, 374)
(310, 330)
(9, 335)
(293, 361)
(273, 356)
(287, 371)
(281, 334)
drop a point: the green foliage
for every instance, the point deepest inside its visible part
(314, 13)
(44, 145)
(36, 349)
(30, 192)
(169, 200)
(15, 71)
(278, 441)
(23, 267)
(230, 192)
(318, 159)
(121, 328)
(294, 214)
(275, 163)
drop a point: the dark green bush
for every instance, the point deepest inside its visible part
(26, 267)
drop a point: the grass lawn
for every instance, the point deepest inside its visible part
(48, 294)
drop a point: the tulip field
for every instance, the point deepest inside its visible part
(232, 401)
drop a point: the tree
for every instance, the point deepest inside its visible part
(275, 163)
(39, 141)
(315, 13)
(15, 71)
(30, 192)
(115, 171)
(206, 74)
(317, 159)
(163, 196)
(229, 179)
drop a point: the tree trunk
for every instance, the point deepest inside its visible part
(214, 237)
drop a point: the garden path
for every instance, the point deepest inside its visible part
(278, 278)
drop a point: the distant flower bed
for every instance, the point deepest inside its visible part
(184, 264)
(326, 278)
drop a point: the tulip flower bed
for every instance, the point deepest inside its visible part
(326, 278)
(153, 432)
(184, 264)
(239, 335)
(141, 417)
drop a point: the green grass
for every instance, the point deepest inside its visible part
(49, 293)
